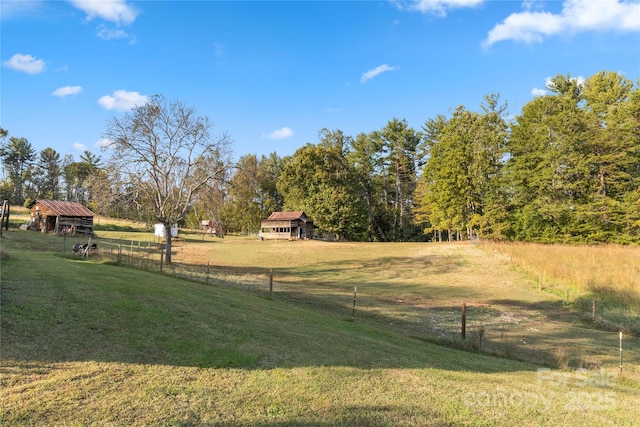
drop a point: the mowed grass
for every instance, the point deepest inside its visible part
(90, 343)
(421, 288)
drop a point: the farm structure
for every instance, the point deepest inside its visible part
(160, 231)
(61, 217)
(286, 226)
(214, 227)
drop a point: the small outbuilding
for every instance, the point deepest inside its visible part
(217, 228)
(159, 231)
(286, 226)
(61, 217)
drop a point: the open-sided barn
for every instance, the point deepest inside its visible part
(61, 217)
(287, 226)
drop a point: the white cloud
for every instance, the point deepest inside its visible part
(281, 133)
(538, 92)
(436, 7)
(375, 72)
(103, 143)
(25, 63)
(532, 4)
(116, 11)
(577, 16)
(110, 34)
(123, 100)
(67, 90)
(548, 82)
(79, 147)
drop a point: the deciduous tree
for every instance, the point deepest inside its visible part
(317, 179)
(165, 151)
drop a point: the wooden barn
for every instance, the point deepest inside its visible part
(61, 217)
(286, 226)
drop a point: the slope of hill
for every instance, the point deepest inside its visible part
(84, 342)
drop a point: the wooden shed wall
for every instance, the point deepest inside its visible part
(45, 220)
(286, 230)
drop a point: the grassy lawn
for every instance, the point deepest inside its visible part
(86, 342)
(421, 287)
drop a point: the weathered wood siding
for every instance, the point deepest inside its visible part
(61, 217)
(278, 228)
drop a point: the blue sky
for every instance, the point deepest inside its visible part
(273, 74)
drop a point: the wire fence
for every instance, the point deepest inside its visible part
(510, 333)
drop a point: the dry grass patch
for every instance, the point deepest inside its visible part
(611, 268)
(609, 274)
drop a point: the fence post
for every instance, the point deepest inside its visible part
(620, 351)
(120, 253)
(540, 283)
(161, 258)
(271, 283)
(86, 251)
(464, 320)
(355, 295)
(208, 270)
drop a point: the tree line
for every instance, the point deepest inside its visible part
(29, 175)
(566, 169)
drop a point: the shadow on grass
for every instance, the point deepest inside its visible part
(611, 314)
(58, 309)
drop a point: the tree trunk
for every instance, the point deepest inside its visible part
(167, 238)
(372, 217)
(603, 186)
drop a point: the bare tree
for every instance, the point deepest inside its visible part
(165, 152)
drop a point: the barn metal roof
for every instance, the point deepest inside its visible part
(63, 208)
(287, 216)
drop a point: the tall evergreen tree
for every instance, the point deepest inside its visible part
(365, 161)
(17, 157)
(50, 171)
(399, 145)
(613, 153)
(461, 187)
(547, 167)
(574, 162)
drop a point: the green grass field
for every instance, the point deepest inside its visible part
(88, 342)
